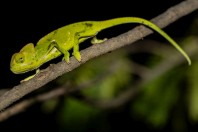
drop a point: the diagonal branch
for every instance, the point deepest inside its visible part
(123, 97)
(54, 71)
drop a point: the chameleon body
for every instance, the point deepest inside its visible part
(68, 37)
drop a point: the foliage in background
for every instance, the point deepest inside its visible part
(192, 95)
(113, 72)
(158, 98)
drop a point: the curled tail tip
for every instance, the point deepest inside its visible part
(189, 61)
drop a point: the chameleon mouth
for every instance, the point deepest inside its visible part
(19, 70)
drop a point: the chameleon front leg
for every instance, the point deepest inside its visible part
(30, 77)
(62, 50)
(76, 52)
(66, 56)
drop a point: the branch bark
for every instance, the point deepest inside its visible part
(54, 71)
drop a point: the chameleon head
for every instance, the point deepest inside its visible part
(24, 60)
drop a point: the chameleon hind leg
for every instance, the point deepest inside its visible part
(79, 38)
(84, 37)
(76, 52)
(97, 41)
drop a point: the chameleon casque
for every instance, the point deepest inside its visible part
(61, 40)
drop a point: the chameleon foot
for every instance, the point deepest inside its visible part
(30, 77)
(97, 41)
(66, 57)
(77, 56)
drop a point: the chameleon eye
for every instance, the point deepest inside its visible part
(20, 59)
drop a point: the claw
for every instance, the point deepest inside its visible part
(77, 56)
(97, 41)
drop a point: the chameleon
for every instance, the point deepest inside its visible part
(68, 37)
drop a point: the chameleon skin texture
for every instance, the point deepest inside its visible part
(68, 37)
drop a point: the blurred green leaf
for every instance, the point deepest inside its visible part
(158, 98)
(76, 116)
(117, 73)
(193, 91)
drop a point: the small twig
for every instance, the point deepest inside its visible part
(23, 105)
(56, 92)
(139, 69)
(52, 72)
(151, 47)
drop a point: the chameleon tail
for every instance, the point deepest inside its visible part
(117, 21)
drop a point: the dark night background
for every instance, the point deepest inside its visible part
(28, 21)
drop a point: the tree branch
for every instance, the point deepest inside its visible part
(54, 71)
(23, 105)
(65, 89)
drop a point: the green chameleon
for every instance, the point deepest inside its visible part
(61, 40)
